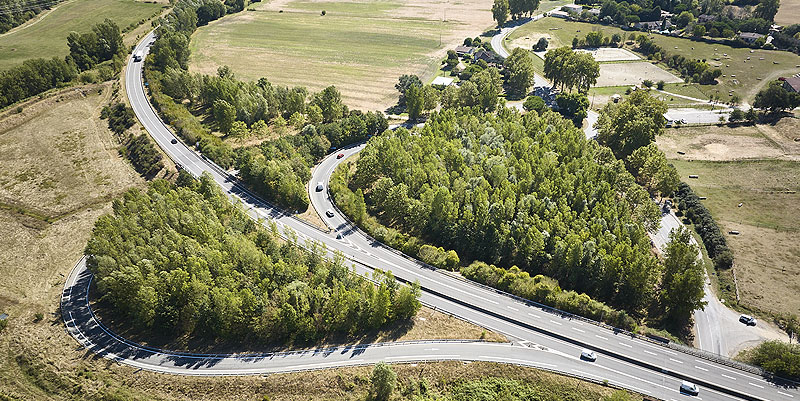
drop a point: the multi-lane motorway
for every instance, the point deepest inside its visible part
(540, 338)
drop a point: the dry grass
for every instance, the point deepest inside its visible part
(361, 47)
(788, 12)
(619, 74)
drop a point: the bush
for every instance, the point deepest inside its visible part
(534, 103)
(704, 224)
(144, 156)
(778, 358)
(647, 83)
(660, 85)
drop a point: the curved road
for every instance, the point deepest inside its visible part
(623, 359)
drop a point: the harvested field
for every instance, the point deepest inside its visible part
(624, 74)
(360, 47)
(788, 12)
(46, 34)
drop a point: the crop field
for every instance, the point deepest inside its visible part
(46, 34)
(742, 75)
(361, 47)
(757, 167)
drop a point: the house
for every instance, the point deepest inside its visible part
(559, 14)
(485, 55)
(572, 8)
(465, 51)
(594, 11)
(703, 18)
(791, 84)
(442, 81)
(750, 37)
(665, 14)
(652, 25)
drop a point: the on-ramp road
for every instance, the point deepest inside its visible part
(542, 338)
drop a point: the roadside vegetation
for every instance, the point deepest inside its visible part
(776, 357)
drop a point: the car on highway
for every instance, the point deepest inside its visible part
(689, 388)
(329, 213)
(588, 355)
(340, 155)
(173, 141)
(320, 187)
(748, 320)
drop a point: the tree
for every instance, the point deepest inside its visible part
(430, 98)
(534, 102)
(383, 380)
(698, 31)
(224, 114)
(239, 130)
(652, 170)
(573, 106)
(569, 69)
(594, 39)
(500, 12)
(519, 72)
(489, 85)
(329, 101)
(404, 82)
(683, 19)
(775, 98)
(766, 9)
(415, 101)
(682, 283)
(631, 124)
(541, 45)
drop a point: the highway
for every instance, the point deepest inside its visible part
(623, 359)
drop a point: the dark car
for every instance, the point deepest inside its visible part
(340, 155)
(173, 141)
(329, 213)
(748, 320)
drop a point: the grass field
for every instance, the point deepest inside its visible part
(46, 34)
(758, 167)
(788, 12)
(744, 77)
(362, 47)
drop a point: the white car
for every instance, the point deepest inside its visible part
(748, 320)
(689, 388)
(588, 355)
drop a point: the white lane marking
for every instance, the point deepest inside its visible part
(431, 349)
(600, 337)
(703, 369)
(755, 385)
(512, 308)
(522, 361)
(536, 316)
(425, 357)
(627, 345)
(675, 360)
(648, 352)
(788, 395)
(729, 377)
(730, 371)
(579, 330)
(553, 321)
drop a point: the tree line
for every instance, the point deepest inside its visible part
(140, 150)
(693, 208)
(185, 261)
(34, 76)
(695, 70)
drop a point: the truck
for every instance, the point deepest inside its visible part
(138, 56)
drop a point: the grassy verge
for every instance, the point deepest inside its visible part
(46, 35)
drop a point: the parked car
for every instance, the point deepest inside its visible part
(320, 187)
(329, 213)
(340, 155)
(689, 388)
(748, 320)
(588, 355)
(173, 141)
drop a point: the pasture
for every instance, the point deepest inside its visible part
(46, 34)
(744, 70)
(757, 167)
(361, 47)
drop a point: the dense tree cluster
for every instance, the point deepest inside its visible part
(775, 98)
(694, 210)
(652, 170)
(120, 117)
(569, 69)
(631, 124)
(777, 357)
(516, 190)
(573, 106)
(34, 76)
(185, 261)
(519, 73)
(596, 39)
(102, 43)
(546, 291)
(144, 155)
(681, 290)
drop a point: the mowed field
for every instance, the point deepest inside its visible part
(46, 34)
(788, 13)
(758, 167)
(361, 47)
(745, 77)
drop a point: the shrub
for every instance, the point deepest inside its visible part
(660, 85)
(704, 224)
(777, 357)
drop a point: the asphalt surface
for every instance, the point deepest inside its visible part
(623, 359)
